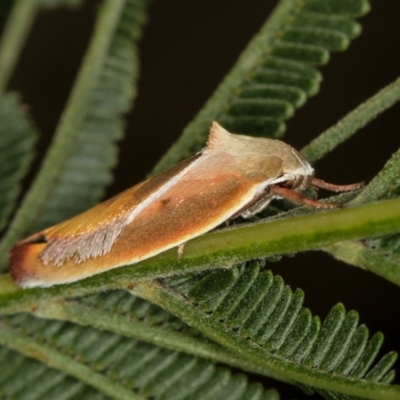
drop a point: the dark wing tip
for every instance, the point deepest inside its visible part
(18, 257)
(24, 260)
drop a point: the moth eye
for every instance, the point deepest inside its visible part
(293, 183)
(290, 183)
(286, 184)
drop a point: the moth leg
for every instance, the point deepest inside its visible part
(180, 250)
(257, 204)
(298, 198)
(319, 183)
(256, 207)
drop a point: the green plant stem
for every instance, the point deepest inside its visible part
(384, 184)
(226, 247)
(352, 122)
(355, 253)
(18, 25)
(70, 121)
(30, 347)
(253, 352)
(6, 284)
(80, 313)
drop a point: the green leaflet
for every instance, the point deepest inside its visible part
(255, 312)
(275, 74)
(353, 122)
(116, 367)
(17, 140)
(77, 166)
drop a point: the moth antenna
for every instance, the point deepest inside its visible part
(319, 183)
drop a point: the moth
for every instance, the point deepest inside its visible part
(233, 175)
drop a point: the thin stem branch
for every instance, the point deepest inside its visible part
(352, 122)
(357, 254)
(18, 26)
(226, 247)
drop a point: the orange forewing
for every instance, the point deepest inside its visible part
(201, 199)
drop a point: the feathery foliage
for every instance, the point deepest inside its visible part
(254, 311)
(120, 343)
(17, 139)
(83, 150)
(117, 367)
(275, 74)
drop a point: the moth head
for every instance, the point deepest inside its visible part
(298, 171)
(277, 161)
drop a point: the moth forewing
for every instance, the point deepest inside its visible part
(233, 175)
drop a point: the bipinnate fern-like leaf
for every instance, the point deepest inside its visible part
(253, 309)
(77, 166)
(261, 307)
(243, 309)
(244, 304)
(17, 139)
(85, 167)
(109, 366)
(276, 73)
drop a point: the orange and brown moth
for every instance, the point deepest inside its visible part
(233, 175)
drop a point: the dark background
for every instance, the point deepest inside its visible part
(187, 48)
